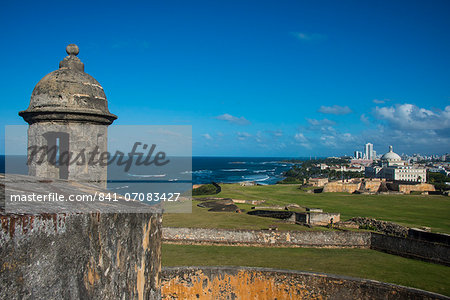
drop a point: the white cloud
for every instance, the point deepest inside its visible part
(410, 129)
(328, 141)
(347, 137)
(378, 101)
(304, 142)
(308, 36)
(410, 141)
(278, 133)
(364, 118)
(411, 117)
(335, 110)
(337, 140)
(323, 122)
(300, 137)
(243, 135)
(233, 119)
(281, 145)
(259, 134)
(207, 136)
(323, 125)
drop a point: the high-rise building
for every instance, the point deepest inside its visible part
(358, 155)
(368, 151)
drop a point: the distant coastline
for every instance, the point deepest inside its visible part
(206, 169)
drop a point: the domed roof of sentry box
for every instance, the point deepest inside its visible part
(68, 95)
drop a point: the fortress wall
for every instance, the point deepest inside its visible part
(266, 237)
(80, 256)
(262, 283)
(420, 234)
(421, 187)
(372, 186)
(406, 247)
(339, 187)
(412, 248)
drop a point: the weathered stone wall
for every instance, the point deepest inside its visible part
(259, 283)
(371, 185)
(422, 187)
(339, 187)
(266, 237)
(80, 256)
(317, 218)
(418, 234)
(402, 246)
(318, 182)
(432, 252)
(321, 218)
(79, 139)
(374, 186)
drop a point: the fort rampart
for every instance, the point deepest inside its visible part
(80, 256)
(261, 283)
(267, 237)
(402, 246)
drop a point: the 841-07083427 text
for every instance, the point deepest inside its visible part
(169, 197)
(97, 196)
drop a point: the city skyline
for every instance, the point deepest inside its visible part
(253, 79)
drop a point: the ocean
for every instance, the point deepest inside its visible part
(263, 170)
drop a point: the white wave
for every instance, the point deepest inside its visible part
(233, 170)
(255, 178)
(197, 172)
(147, 175)
(121, 187)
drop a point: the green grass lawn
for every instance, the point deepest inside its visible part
(409, 210)
(360, 263)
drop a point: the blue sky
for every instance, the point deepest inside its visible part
(253, 78)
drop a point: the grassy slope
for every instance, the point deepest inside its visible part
(410, 210)
(351, 262)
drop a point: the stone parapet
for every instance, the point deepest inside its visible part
(263, 283)
(338, 239)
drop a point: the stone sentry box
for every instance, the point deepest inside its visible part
(68, 112)
(75, 255)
